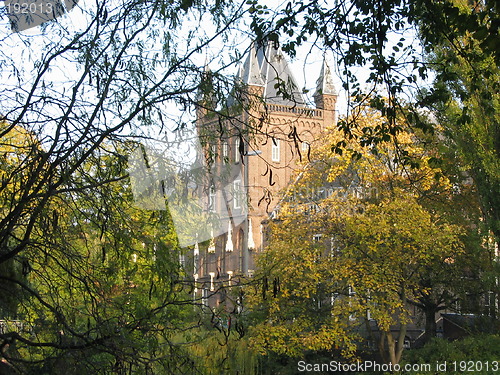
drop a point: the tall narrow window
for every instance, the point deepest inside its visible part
(237, 150)
(237, 194)
(225, 150)
(212, 276)
(214, 151)
(204, 296)
(305, 146)
(275, 156)
(211, 198)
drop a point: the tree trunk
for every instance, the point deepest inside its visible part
(400, 344)
(430, 324)
(394, 348)
(391, 347)
(381, 346)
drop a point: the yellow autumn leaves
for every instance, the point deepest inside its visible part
(352, 239)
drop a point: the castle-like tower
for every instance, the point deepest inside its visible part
(266, 131)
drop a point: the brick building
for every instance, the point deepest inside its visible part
(264, 134)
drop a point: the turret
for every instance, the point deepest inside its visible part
(205, 98)
(325, 96)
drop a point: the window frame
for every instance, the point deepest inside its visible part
(237, 194)
(237, 150)
(212, 195)
(275, 150)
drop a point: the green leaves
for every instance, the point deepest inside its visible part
(382, 239)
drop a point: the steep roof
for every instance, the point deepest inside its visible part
(251, 74)
(266, 66)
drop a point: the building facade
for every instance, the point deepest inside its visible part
(260, 139)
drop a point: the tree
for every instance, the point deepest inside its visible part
(465, 100)
(390, 249)
(362, 232)
(127, 67)
(388, 38)
(82, 95)
(101, 287)
(16, 146)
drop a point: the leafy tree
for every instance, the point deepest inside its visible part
(465, 99)
(390, 249)
(16, 146)
(69, 234)
(404, 44)
(103, 289)
(358, 232)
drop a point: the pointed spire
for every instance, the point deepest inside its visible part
(239, 73)
(324, 84)
(238, 79)
(205, 82)
(252, 74)
(266, 66)
(229, 242)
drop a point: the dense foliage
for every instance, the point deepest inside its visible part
(92, 284)
(358, 239)
(477, 353)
